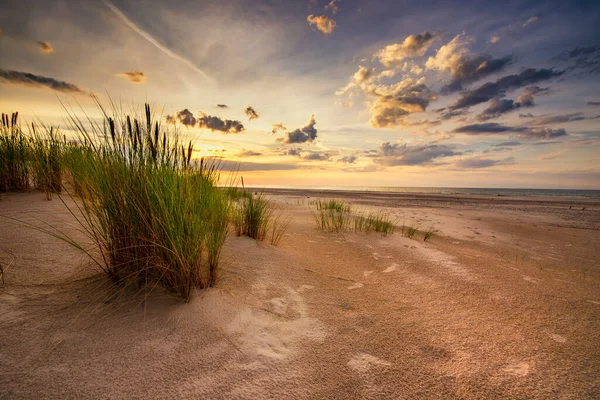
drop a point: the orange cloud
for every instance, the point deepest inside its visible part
(323, 23)
(46, 47)
(134, 76)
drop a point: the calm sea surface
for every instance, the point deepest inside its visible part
(470, 191)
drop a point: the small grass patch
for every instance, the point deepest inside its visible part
(255, 216)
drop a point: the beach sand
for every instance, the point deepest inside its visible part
(502, 302)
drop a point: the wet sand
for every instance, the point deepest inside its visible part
(502, 302)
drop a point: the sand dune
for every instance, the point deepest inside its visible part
(503, 302)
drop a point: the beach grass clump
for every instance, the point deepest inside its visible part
(374, 222)
(332, 204)
(46, 167)
(14, 155)
(428, 233)
(255, 216)
(332, 220)
(153, 212)
(409, 231)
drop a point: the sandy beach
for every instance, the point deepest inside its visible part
(502, 302)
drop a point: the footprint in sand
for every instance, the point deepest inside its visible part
(530, 279)
(390, 268)
(520, 368)
(311, 241)
(304, 288)
(558, 338)
(367, 273)
(355, 286)
(377, 256)
(363, 362)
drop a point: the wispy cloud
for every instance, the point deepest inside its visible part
(530, 21)
(134, 76)
(26, 78)
(45, 47)
(152, 40)
(332, 7)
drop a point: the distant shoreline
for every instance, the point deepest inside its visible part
(471, 193)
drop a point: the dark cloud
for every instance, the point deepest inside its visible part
(528, 115)
(593, 103)
(250, 166)
(46, 47)
(348, 159)
(508, 144)
(185, 116)
(584, 59)
(499, 88)
(220, 125)
(293, 152)
(25, 78)
(403, 154)
(558, 119)
(134, 76)
(251, 113)
(277, 128)
(248, 153)
(317, 156)
(498, 107)
(222, 106)
(491, 128)
(470, 70)
(302, 135)
(477, 162)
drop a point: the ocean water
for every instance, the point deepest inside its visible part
(464, 191)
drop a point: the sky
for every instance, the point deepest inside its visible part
(330, 92)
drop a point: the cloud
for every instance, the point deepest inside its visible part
(491, 128)
(293, 152)
(494, 39)
(134, 76)
(302, 135)
(222, 106)
(348, 159)
(508, 144)
(46, 47)
(26, 78)
(528, 115)
(478, 162)
(151, 39)
(392, 105)
(251, 167)
(403, 154)
(323, 23)
(277, 128)
(586, 59)
(220, 125)
(412, 46)
(558, 119)
(551, 156)
(332, 7)
(593, 103)
(530, 21)
(455, 58)
(251, 113)
(248, 153)
(362, 79)
(185, 116)
(499, 88)
(498, 107)
(317, 156)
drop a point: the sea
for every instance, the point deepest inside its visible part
(465, 191)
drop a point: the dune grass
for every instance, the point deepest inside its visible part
(336, 216)
(46, 166)
(428, 233)
(153, 213)
(14, 154)
(255, 216)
